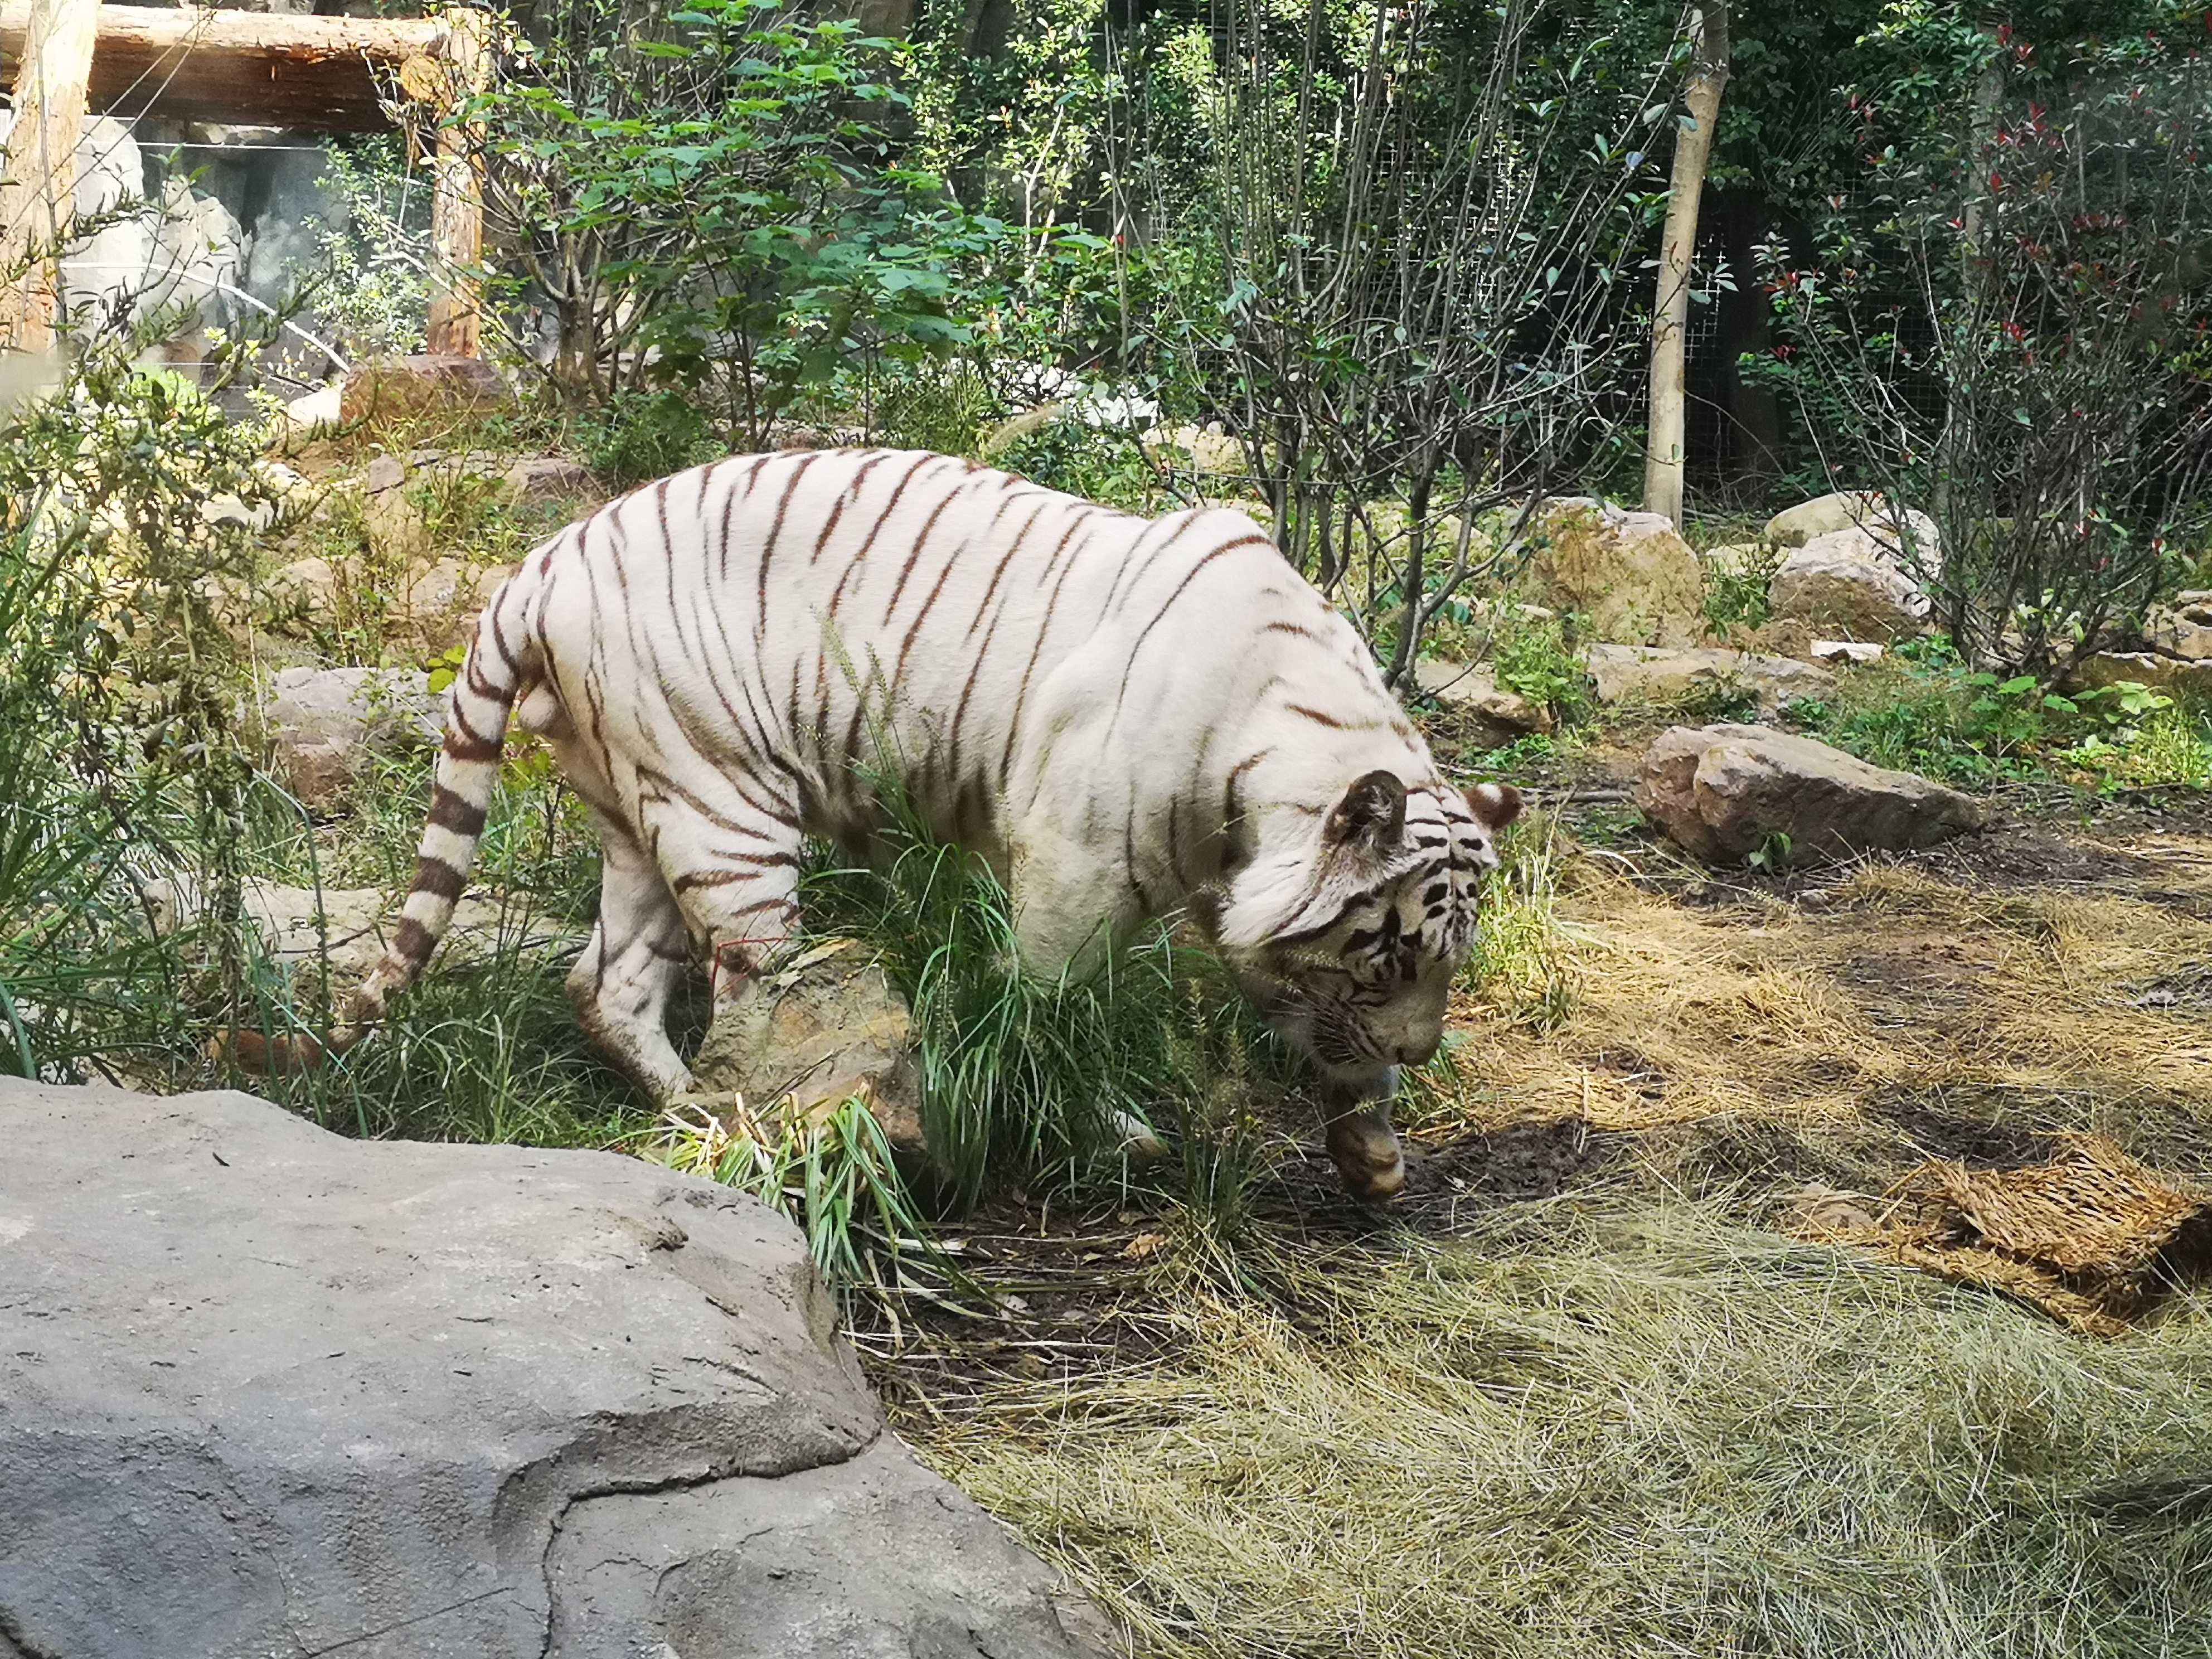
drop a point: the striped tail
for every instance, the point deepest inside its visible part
(477, 712)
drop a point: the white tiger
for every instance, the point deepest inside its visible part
(1123, 716)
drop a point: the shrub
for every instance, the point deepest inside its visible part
(1098, 463)
(640, 435)
(2014, 334)
(1532, 658)
(117, 685)
(1399, 282)
(710, 199)
(1738, 597)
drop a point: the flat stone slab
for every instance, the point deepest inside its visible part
(268, 1392)
(1638, 673)
(1723, 792)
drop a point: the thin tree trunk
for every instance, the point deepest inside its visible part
(1956, 441)
(456, 204)
(38, 176)
(1693, 144)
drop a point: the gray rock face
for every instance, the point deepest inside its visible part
(324, 723)
(1889, 525)
(2183, 628)
(1651, 674)
(803, 1040)
(1494, 714)
(1841, 585)
(270, 1393)
(1722, 792)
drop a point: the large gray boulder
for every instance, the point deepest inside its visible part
(1639, 673)
(1723, 792)
(1843, 585)
(1631, 575)
(2182, 627)
(324, 724)
(268, 1393)
(1888, 522)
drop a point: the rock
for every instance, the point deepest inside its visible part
(1740, 558)
(437, 601)
(550, 478)
(280, 480)
(303, 590)
(808, 1038)
(1645, 674)
(1629, 574)
(2172, 675)
(398, 534)
(225, 134)
(315, 416)
(196, 249)
(228, 512)
(1856, 652)
(1211, 451)
(1862, 510)
(120, 259)
(2182, 628)
(295, 923)
(428, 384)
(1495, 715)
(1723, 792)
(384, 472)
(489, 580)
(1836, 585)
(274, 1392)
(322, 724)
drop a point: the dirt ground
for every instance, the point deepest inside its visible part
(1776, 1051)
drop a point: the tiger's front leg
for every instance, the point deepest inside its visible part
(1362, 1143)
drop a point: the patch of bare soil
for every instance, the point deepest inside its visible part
(1727, 1036)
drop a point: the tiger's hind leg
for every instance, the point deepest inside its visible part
(623, 985)
(733, 871)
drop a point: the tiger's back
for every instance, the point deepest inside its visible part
(834, 618)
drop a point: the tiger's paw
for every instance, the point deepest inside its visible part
(1365, 1150)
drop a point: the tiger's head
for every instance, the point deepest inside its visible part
(1347, 940)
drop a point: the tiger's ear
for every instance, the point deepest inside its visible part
(1496, 804)
(1372, 814)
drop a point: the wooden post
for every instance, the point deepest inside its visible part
(1678, 243)
(457, 195)
(38, 176)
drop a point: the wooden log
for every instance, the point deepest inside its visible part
(457, 196)
(38, 172)
(318, 73)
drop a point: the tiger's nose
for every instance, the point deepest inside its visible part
(1417, 1054)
